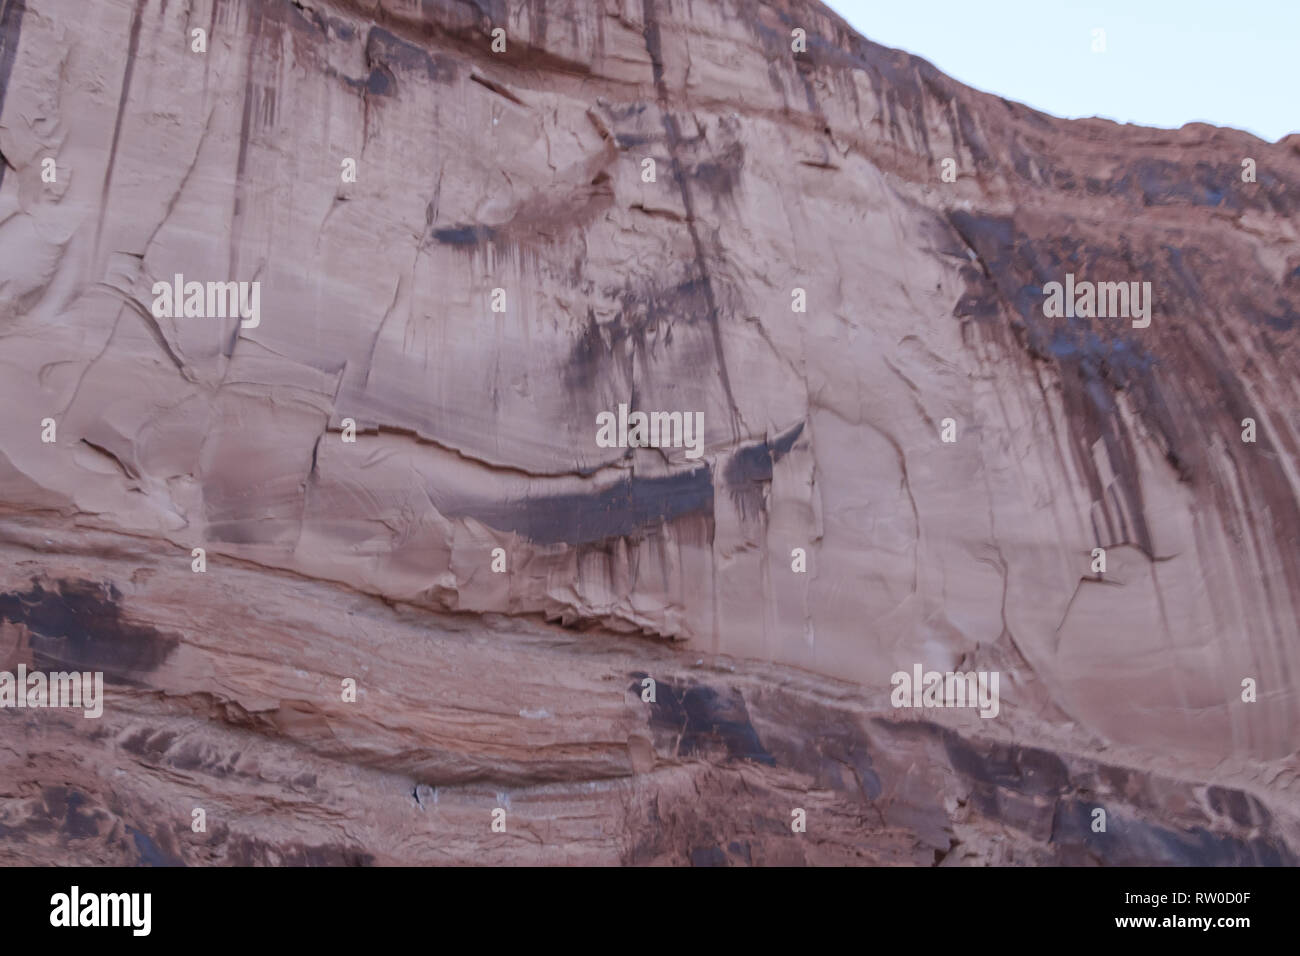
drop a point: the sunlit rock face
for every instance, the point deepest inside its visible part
(463, 259)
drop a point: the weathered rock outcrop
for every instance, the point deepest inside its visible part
(525, 171)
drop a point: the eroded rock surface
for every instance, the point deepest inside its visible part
(522, 171)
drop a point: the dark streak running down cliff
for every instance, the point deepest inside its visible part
(11, 26)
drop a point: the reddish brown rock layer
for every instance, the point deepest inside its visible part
(522, 171)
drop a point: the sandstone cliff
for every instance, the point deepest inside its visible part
(518, 179)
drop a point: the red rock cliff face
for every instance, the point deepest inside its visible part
(525, 171)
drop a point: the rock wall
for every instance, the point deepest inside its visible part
(503, 270)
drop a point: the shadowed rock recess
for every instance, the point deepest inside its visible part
(476, 430)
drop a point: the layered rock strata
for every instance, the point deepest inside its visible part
(502, 270)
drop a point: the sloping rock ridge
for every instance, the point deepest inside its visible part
(474, 229)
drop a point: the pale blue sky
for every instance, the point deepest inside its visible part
(1167, 62)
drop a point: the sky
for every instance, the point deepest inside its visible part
(1166, 62)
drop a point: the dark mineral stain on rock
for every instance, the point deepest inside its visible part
(61, 810)
(670, 319)
(1164, 183)
(383, 48)
(628, 506)
(380, 82)
(1176, 376)
(704, 720)
(1095, 356)
(1283, 320)
(720, 175)
(11, 24)
(151, 854)
(708, 856)
(78, 625)
(1025, 770)
(303, 19)
(753, 463)
(1034, 791)
(740, 850)
(68, 804)
(1238, 806)
(464, 235)
(836, 757)
(1132, 842)
(750, 468)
